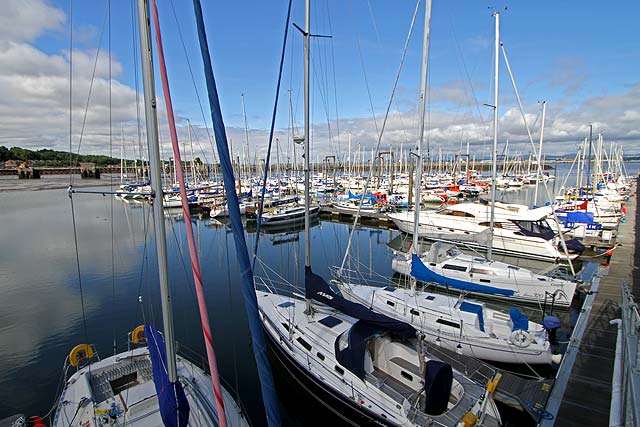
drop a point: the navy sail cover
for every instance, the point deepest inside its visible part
(352, 356)
(174, 407)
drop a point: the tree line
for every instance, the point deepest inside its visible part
(47, 157)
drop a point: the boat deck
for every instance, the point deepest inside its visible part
(520, 393)
(106, 383)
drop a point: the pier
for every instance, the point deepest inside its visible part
(582, 394)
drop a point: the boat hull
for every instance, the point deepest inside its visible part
(347, 410)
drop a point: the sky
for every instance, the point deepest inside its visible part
(582, 58)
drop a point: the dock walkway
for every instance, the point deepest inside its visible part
(587, 397)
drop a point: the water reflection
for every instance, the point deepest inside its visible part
(40, 311)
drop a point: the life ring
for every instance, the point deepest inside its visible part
(137, 336)
(80, 353)
(520, 338)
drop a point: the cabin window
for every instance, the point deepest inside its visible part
(391, 303)
(448, 323)
(304, 344)
(330, 321)
(339, 370)
(389, 289)
(320, 355)
(485, 280)
(285, 326)
(454, 267)
(414, 312)
(406, 375)
(286, 304)
(488, 224)
(483, 271)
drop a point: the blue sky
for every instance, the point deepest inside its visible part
(581, 57)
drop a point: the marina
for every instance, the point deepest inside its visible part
(440, 261)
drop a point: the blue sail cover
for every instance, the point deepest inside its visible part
(174, 407)
(318, 289)
(425, 274)
(248, 291)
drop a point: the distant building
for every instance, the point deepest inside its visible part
(12, 163)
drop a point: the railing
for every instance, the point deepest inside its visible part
(627, 409)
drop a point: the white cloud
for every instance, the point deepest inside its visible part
(34, 110)
(25, 20)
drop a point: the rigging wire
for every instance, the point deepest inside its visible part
(93, 75)
(386, 116)
(271, 131)
(195, 87)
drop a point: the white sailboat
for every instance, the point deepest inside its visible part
(147, 385)
(467, 327)
(364, 366)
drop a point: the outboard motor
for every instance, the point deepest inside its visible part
(438, 378)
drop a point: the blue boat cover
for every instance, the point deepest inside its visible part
(574, 245)
(520, 321)
(438, 378)
(174, 407)
(470, 307)
(551, 322)
(581, 217)
(425, 274)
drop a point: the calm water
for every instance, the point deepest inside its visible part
(41, 314)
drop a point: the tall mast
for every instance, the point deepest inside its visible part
(540, 166)
(151, 118)
(307, 189)
(494, 161)
(423, 102)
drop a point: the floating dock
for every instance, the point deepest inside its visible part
(582, 391)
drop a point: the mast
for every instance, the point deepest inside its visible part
(540, 166)
(494, 161)
(307, 189)
(151, 118)
(589, 159)
(122, 156)
(423, 102)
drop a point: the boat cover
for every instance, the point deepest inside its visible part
(425, 274)
(520, 321)
(470, 307)
(318, 289)
(438, 378)
(174, 407)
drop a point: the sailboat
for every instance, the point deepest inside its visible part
(362, 365)
(464, 326)
(505, 228)
(149, 384)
